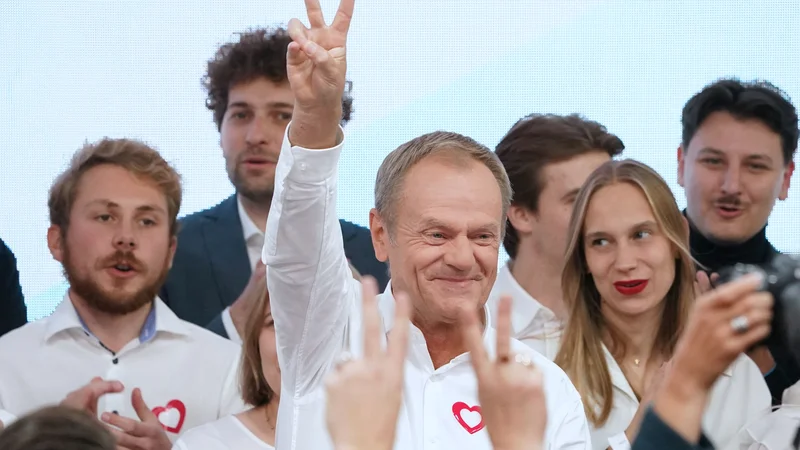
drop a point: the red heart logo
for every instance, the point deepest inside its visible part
(171, 416)
(459, 408)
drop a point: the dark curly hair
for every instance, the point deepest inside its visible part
(258, 53)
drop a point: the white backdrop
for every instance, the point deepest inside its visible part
(79, 70)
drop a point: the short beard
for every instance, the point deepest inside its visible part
(98, 299)
(260, 195)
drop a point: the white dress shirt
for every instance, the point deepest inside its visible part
(227, 433)
(532, 323)
(254, 240)
(316, 304)
(188, 375)
(776, 430)
(738, 397)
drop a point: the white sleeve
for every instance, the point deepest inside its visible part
(230, 328)
(7, 418)
(309, 280)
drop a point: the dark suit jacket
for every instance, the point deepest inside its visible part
(654, 434)
(211, 266)
(13, 313)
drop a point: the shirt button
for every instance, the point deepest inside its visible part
(302, 166)
(115, 360)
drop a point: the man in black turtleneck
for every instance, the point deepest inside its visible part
(734, 162)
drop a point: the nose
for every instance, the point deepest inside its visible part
(124, 238)
(730, 183)
(625, 259)
(459, 254)
(257, 131)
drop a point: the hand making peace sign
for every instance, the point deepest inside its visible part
(510, 388)
(316, 65)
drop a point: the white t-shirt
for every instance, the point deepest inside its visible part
(532, 323)
(188, 375)
(739, 396)
(227, 433)
(316, 304)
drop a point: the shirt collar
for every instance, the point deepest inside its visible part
(161, 318)
(525, 307)
(386, 304)
(249, 228)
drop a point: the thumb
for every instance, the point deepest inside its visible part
(295, 55)
(142, 410)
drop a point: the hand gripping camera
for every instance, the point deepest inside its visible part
(782, 280)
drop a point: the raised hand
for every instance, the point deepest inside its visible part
(316, 66)
(85, 398)
(510, 388)
(146, 434)
(368, 391)
(724, 323)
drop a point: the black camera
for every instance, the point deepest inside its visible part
(782, 280)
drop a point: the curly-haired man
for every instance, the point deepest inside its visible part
(219, 248)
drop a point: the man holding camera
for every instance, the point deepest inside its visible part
(735, 160)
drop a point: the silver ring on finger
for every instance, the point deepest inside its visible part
(740, 324)
(343, 359)
(525, 360)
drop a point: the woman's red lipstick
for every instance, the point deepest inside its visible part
(630, 287)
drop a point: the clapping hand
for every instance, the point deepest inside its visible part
(369, 390)
(510, 388)
(147, 433)
(86, 398)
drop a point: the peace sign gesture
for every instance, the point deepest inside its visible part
(510, 388)
(316, 66)
(369, 390)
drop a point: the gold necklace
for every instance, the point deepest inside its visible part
(269, 420)
(636, 362)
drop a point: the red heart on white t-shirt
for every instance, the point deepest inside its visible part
(468, 416)
(171, 416)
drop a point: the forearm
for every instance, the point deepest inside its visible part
(307, 272)
(681, 405)
(315, 130)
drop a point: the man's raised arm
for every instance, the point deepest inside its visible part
(310, 285)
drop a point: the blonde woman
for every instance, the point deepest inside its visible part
(629, 284)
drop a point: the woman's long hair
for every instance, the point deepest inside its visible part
(581, 353)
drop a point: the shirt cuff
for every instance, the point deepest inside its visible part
(7, 418)
(230, 328)
(312, 166)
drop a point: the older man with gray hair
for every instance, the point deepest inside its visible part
(441, 202)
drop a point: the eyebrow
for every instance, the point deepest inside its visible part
(432, 222)
(112, 205)
(242, 104)
(644, 224)
(571, 194)
(718, 152)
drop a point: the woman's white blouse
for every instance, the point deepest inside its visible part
(227, 433)
(739, 397)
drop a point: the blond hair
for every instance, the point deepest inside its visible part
(132, 155)
(581, 353)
